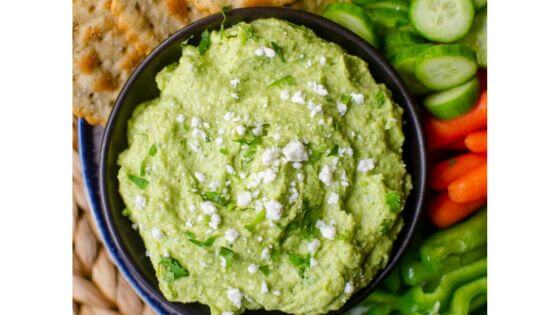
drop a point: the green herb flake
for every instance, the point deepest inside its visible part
(380, 97)
(228, 255)
(225, 9)
(216, 198)
(302, 263)
(265, 270)
(258, 219)
(126, 212)
(247, 33)
(173, 269)
(386, 226)
(278, 51)
(142, 169)
(334, 150)
(223, 151)
(138, 181)
(285, 80)
(209, 242)
(251, 141)
(310, 216)
(153, 150)
(345, 98)
(393, 200)
(205, 42)
(275, 254)
(314, 154)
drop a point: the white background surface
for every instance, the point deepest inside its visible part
(35, 157)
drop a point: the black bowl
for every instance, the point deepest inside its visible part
(141, 87)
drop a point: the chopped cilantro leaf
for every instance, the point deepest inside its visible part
(345, 98)
(258, 219)
(223, 151)
(385, 227)
(393, 200)
(334, 150)
(285, 80)
(248, 33)
(138, 181)
(300, 262)
(249, 140)
(249, 155)
(215, 197)
(228, 255)
(278, 51)
(173, 269)
(275, 254)
(209, 242)
(143, 168)
(153, 150)
(314, 155)
(310, 216)
(380, 98)
(265, 270)
(225, 10)
(205, 42)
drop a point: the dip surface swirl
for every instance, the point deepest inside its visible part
(268, 174)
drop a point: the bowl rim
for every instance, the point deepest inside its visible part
(416, 211)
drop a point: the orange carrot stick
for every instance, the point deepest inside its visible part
(445, 172)
(443, 212)
(469, 187)
(476, 141)
(441, 133)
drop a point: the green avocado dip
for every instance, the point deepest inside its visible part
(268, 174)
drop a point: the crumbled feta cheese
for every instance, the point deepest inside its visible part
(203, 264)
(135, 226)
(234, 82)
(215, 221)
(268, 176)
(240, 130)
(228, 115)
(260, 238)
(298, 98)
(206, 125)
(140, 202)
(357, 98)
(318, 88)
(348, 288)
(264, 287)
(235, 96)
(221, 131)
(308, 64)
(208, 207)
(366, 165)
(348, 151)
(299, 177)
(253, 268)
(284, 95)
(265, 253)
(322, 60)
(341, 107)
(188, 223)
(273, 210)
(276, 136)
(259, 52)
(327, 231)
(195, 147)
(229, 169)
(269, 52)
(195, 122)
(295, 151)
(156, 233)
(243, 198)
(192, 208)
(180, 118)
(257, 130)
(199, 176)
(235, 296)
(312, 262)
(223, 262)
(231, 235)
(199, 133)
(313, 246)
(214, 185)
(326, 175)
(219, 141)
(294, 195)
(277, 292)
(314, 108)
(270, 155)
(242, 175)
(333, 198)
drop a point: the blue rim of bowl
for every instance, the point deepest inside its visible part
(124, 263)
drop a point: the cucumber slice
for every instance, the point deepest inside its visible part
(404, 63)
(397, 5)
(442, 21)
(353, 18)
(479, 4)
(476, 38)
(395, 41)
(445, 66)
(455, 102)
(387, 19)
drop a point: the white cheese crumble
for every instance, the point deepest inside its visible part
(229, 169)
(267, 176)
(231, 235)
(333, 199)
(264, 287)
(214, 185)
(156, 233)
(252, 268)
(341, 107)
(366, 165)
(228, 313)
(322, 60)
(265, 253)
(313, 246)
(327, 231)
(203, 264)
(276, 136)
(284, 95)
(240, 130)
(235, 296)
(265, 51)
(270, 155)
(298, 98)
(199, 176)
(180, 118)
(326, 175)
(219, 141)
(277, 292)
(188, 224)
(299, 177)
(215, 220)
(312, 262)
(257, 130)
(295, 151)
(208, 207)
(195, 122)
(140, 202)
(234, 82)
(243, 198)
(192, 208)
(318, 88)
(357, 98)
(314, 108)
(195, 147)
(199, 133)
(228, 116)
(348, 288)
(348, 151)
(273, 210)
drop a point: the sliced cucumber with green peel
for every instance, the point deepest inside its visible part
(404, 63)
(398, 5)
(454, 102)
(396, 41)
(387, 19)
(479, 4)
(442, 21)
(442, 67)
(353, 18)
(476, 38)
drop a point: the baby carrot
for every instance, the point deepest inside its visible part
(469, 187)
(445, 172)
(441, 133)
(476, 141)
(443, 212)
